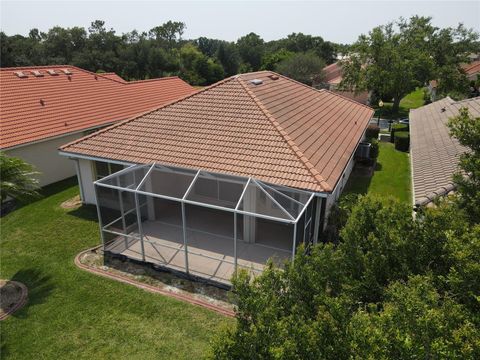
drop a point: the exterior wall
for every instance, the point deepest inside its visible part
(44, 156)
(333, 197)
(85, 181)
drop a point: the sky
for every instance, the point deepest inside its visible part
(337, 21)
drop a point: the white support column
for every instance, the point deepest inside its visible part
(294, 241)
(140, 227)
(318, 213)
(184, 228)
(100, 224)
(235, 241)
(249, 222)
(122, 213)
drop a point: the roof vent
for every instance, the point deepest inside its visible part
(256, 82)
(443, 109)
(273, 77)
(95, 77)
(66, 72)
(52, 72)
(42, 102)
(21, 74)
(36, 73)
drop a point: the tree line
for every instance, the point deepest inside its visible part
(163, 52)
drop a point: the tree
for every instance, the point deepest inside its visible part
(227, 55)
(270, 60)
(303, 67)
(18, 179)
(466, 129)
(416, 322)
(169, 32)
(396, 58)
(393, 287)
(251, 49)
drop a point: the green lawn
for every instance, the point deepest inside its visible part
(72, 314)
(391, 176)
(411, 101)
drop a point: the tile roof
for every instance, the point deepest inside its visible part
(472, 68)
(434, 153)
(333, 73)
(33, 108)
(279, 131)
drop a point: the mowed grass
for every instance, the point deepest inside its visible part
(391, 176)
(72, 314)
(411, 101)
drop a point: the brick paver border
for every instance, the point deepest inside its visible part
(150, 288)
(20, 303)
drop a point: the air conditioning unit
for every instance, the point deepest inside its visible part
(363, 150)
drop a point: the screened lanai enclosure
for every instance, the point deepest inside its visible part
(203, 224)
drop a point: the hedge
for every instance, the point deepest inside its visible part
(395, 128)
(372, 132)
(402, 140)
(374, 149)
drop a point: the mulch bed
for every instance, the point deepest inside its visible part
(159, 282)
(13, 296)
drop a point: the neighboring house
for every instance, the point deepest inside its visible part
(44, 107)
(333, 77)
(228, 177)
(434, 153)
(472, 70)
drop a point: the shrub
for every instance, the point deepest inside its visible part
(395, 128)
(402, 140)
(374, 149)
(372, 132)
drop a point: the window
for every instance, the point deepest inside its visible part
(102, 169)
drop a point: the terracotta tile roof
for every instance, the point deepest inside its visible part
(113, 76)
(280, 131)
(434, 153)
(472, 68)
(333, 73)
(33, 108)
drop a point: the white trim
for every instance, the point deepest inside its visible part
(93, 158)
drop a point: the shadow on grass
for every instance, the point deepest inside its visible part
(39, 288)
(45, 192)
(360, 179)
(85, 212)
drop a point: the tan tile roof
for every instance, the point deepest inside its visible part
(33, 108)
(333, 73)
(280, 131)
(434, 153)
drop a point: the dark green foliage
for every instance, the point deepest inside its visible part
(402, 140)
(466, 129)
(393, 288)
(303, 67)
(372, 132)
(18, 179)
(397, 127)
(156, 53)
(404, 55)
(374, 149)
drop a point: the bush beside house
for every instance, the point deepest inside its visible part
(402, 140)
(396, 128)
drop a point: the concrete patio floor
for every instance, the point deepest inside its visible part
(210, 256)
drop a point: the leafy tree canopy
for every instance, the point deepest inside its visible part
(394, 59)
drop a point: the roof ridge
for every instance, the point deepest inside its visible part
(146, 113)
(322, 90)
(296, 150)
